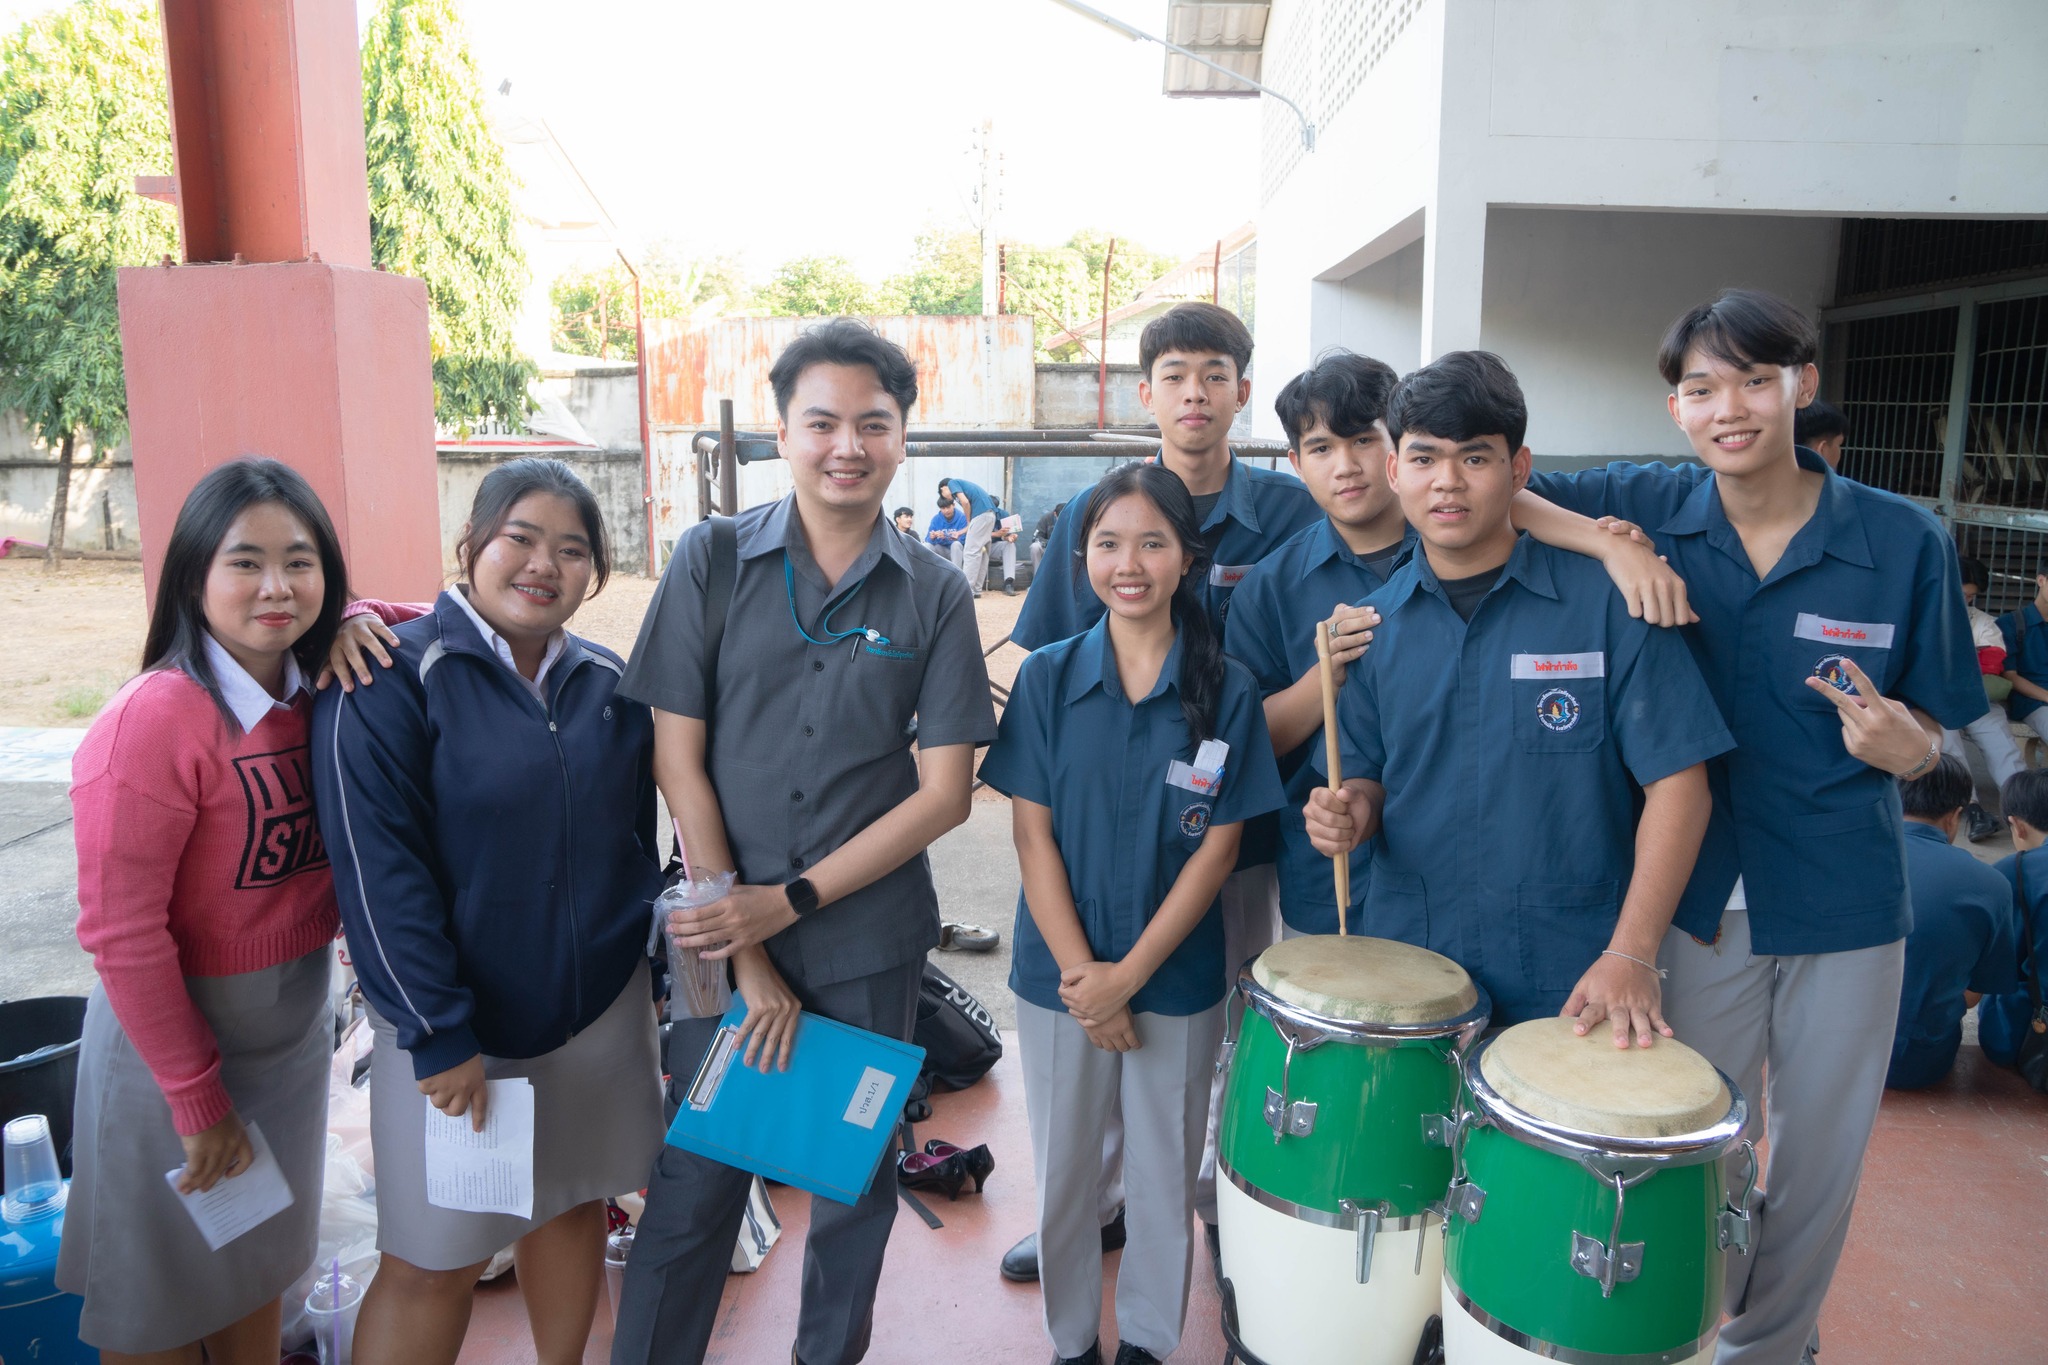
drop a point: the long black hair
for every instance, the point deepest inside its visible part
(177, 619)
(1201, 651)
(501, 491)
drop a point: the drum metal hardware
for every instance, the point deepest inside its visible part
(1604, 1156)
(1466, 1200)
(1614, 1261)
(1731, 1229)
(1420, 1238)
(1368, 1216)
(1233, 1029)
(1296, 1118)
(1439, 1130)
(1304, 1030)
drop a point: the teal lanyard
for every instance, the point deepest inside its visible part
(832, 637)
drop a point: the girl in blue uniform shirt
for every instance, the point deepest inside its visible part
(1132, 754)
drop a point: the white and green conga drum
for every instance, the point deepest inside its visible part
(1333, 1148)
(1588, 1216)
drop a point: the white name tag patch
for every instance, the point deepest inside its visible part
(1203, 781)
(1554, 666)
(866, 1106)
(1864, 634)
(1228, 575)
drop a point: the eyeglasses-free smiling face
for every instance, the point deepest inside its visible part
(1739, 417)
(1134, 559)
(265, 586)
(842, 437)
(535, 572)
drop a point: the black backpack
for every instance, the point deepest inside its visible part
(956, 1031)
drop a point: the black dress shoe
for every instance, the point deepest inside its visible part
(1020, 1262)
(1091, 1356)
(1127, 1354)
(1980, 823)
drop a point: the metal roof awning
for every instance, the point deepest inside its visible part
(1230, 33)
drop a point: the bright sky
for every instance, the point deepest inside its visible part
(778, 128)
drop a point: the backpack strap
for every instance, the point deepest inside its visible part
(720, 578)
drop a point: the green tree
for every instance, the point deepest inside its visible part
(593, 308)
(817, 286)
(441, 204)
(82, 111)
(944, 276)
(1061, 286)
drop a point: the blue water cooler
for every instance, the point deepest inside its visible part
(38, 1324)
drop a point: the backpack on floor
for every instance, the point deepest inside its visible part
(956, 1031)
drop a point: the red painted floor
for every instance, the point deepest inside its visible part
(1947, 1259)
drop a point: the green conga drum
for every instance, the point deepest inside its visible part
(1333, 1147)
(1589, 1218)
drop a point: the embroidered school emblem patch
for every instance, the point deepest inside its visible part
(1195, 819)
(1558, 710)
(1832, 671)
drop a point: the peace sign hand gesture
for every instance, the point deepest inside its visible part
(1880, 731)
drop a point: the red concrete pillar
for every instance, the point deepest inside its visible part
(297, 349)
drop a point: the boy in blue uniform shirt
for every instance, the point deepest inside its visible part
(1501, 656)
(1961, 947)
(2026, 657)
(947, 533)
(2005, 1017)
(1194, 359)
(1334, 415)
(1832, 633)
(978, 505)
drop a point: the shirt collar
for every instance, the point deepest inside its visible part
(1835, 528)
(243, 694)
(1094, 666)
(496, 644)
(1528, 564)
(1233, 500)
(780, 530)
(1920, 829)
(1325, 544)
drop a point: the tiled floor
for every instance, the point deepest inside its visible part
(1947, 1259)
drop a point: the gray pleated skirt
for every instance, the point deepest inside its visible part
(596, 1130)
(149, 1280)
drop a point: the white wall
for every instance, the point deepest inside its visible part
(1375, 312)
(1577, 300)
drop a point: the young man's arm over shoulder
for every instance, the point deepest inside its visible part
(1584, 513)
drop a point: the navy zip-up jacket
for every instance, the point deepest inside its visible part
(495, 860)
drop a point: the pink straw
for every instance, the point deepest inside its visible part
(681, 851)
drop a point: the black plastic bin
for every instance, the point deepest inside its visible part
(39, 1062)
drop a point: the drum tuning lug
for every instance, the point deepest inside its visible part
(1439, 1130)
(1591, 1258)
(1368, 1218)
(1466, 1200)
(1732, 1231)
(1287, 1118)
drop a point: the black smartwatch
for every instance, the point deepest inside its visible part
(803, 897)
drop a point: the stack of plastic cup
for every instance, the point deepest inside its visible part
(34, 1187)
(697, 987)
(617, 1248)
(331, 1311)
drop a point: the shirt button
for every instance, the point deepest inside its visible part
(797, 862)
(808, 732)
(796, 796)
(817, 665)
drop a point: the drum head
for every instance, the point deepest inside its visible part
(1366, 980)
(1591, 1086)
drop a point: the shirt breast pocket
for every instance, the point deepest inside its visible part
(1560, 716)
(1822, 648)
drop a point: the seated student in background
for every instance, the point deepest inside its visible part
(1989, 733)
(1003, 543)
(906, 522)
(1132, 754)
(2026, 656)
(2004, 1017)
(1822, 429)
(1043, 534)
(1334, 415)
(947, 534)
(1494, 735)
(1961, 946)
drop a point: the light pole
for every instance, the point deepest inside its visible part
(1116, 25)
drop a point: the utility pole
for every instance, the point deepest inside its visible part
(988, 204)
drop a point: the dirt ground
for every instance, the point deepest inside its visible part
(74, 637)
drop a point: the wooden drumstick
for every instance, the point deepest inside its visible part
(1341, 864)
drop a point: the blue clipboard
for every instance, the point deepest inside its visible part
(821, 1125)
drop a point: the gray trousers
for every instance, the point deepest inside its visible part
(1991, 734)
(1823, 1026)
(682, 1249)
(980, 533)
(1071, 1089)
(1251, 924)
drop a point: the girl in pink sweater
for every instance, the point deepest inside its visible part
(207, 905)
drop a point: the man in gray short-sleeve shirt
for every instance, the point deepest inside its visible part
(844, 644)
